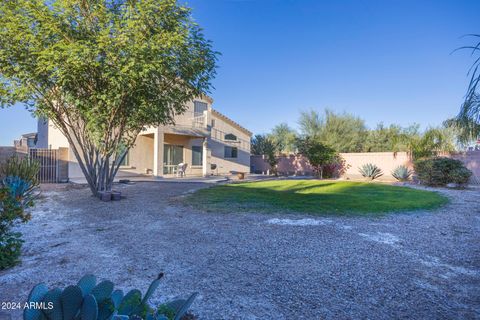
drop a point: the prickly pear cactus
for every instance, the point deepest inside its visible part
(71, 300)
(89, 308)
(91, 301)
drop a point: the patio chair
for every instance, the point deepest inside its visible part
(182, 167)
(213, 167)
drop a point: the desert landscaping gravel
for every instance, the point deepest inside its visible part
(416, 265)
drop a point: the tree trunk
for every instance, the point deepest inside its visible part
(99, 161)
(99, 170)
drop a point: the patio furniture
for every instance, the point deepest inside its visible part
(213, 167)
(240, 175)
(181, 168)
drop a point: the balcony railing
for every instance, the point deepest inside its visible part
(191, 120)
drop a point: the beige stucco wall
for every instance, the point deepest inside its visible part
(217, 143)
(140, 156)
(74, 170)
(49, 136)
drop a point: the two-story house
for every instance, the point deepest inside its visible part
(203, 138)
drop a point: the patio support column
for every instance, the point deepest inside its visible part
(158, 153)
(205, 163)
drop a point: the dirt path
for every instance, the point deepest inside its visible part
(249, 266)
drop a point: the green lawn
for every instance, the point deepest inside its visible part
(314, 196)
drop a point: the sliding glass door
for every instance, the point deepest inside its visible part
(172, 156)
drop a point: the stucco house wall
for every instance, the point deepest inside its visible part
(140, 156)
(190, 129)
(222, 126)
(49, 136)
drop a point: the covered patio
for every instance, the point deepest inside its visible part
(159, 154)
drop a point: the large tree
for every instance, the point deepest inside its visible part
(342, 131)
(284, 137)
(392, 138)
(263, 145)
(432, 142)
(318, 154)
(467, 122)
(102, 71)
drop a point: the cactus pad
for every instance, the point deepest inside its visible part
(54, 297)
(117, 297)
(36, 295)
(71, 298)
(130, 302)
(102, 291)
(87, 283)
(105, 309)
(89, 308)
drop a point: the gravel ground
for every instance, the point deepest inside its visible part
(423, 265)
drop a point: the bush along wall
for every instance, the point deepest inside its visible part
(441, 171)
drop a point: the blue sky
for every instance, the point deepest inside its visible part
(385, 61)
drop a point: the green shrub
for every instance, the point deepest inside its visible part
(402, 173)
(12, 210)
(23, 168)
(370, 171)
(17, 193)
(441, 171)
(460, 175)
(10, 249)
(88, 300)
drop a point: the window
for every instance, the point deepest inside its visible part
(231, 152)
(230, 136)
(199, 107)
(213, 122)
(197, 155)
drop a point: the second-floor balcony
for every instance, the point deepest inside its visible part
(190, 123)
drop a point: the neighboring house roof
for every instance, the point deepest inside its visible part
(230, 121)
(29, 135)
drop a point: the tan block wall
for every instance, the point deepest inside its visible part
(63, 160)
(6, 152)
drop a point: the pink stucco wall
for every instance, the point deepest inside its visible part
(387, 161)
(471, 159)
(298, 165)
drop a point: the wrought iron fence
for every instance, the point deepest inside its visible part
(48, 159)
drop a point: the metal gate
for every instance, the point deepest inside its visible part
(48, 159)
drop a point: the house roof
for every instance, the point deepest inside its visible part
(230, 121)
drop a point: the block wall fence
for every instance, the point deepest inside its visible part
(387, 161)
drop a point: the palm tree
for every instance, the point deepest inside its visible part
(468, 119)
